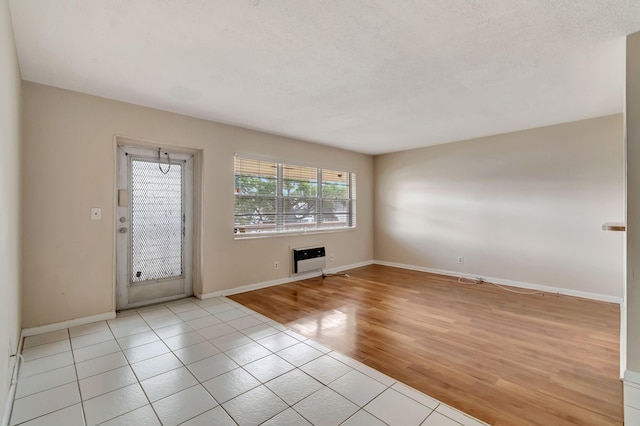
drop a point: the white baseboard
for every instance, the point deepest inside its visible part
(293, 278)
(347, 267)
(632, 377)
(631, 397)
(623, 339)
(529, 286)
(68, 324)
(14, 367)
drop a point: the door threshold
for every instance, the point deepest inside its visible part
(150, 305)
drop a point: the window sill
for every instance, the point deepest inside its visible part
(259, 235)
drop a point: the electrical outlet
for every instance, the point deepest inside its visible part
(460, 259)
(96, 213)
(331, 256)
(276, 265)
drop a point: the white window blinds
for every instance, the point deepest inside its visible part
(277, 197)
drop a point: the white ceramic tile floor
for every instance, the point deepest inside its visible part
(70, 416)
(42, 365)
(106, 382)
(202, 362)
(192, 314)
(203, 322)
(288, 417)
(394, 408)
(248, 353)
(437, 419)
(231, 340)
(95, 351)
(217, 417)
(47, 380)
(130, 330)
(230, 315)
(216, 330)
(268, 368)
(259, 331)
(196, 352)
(178, 308)
(326, 407)
(357, 387)
(140, 416)
(183, 340)
(255, 406)
(113, 404)
(184, 405)
(41, 339)
(294, 386)
(362, 418)
(325, 369)
(173, 330)
(41, 351)
(142, 352)
(157, 365)
(91, 339)
(277, 342)
(168, 383)
(41, 403)
(244, 322)
(93, 327)
(231, 384)
(211, 367)
(299, 354)
(139, 339)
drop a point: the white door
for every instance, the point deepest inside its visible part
(154, 225)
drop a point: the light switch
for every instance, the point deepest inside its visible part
(96, 213)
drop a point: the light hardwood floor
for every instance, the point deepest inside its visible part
(505, 358)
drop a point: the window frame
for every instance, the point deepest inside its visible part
(280, 199)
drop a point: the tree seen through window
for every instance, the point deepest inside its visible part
(272, 196)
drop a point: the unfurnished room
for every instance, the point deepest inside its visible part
(275, 212)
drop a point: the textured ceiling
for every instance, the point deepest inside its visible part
(372, 76)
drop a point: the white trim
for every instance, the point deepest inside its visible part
(623, 337)
(128, 296)
(138, 142)
(632, 377)
(197, 191)
(68, 324)
(293, 278)
(294, 233)
(11, 394)
(631, 397)
(518, 284)
(279, 196)
(339, 269)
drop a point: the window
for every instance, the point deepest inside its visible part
(276, 197)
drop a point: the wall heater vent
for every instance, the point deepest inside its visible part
(308, 259)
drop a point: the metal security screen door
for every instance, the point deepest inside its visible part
(154, 225)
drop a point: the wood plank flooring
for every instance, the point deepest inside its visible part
(505, 358)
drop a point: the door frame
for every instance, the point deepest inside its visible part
(196, 249)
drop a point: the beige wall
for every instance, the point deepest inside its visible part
(525, 207)
(10, 196)
(633, 202)
(69, 163)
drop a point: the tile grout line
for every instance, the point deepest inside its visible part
(73, 357)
